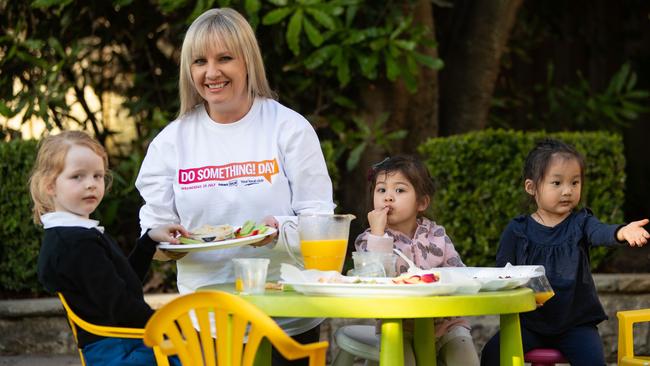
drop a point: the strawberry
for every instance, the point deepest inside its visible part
(429, 277)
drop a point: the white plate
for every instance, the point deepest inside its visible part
(496, 284)
(223, 244)
(493, 278)
(385, 289)
(497, 278)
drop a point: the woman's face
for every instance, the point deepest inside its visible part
(220, 79)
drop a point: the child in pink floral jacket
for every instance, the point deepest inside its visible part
(401, 191)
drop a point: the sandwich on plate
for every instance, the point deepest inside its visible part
(210, 233)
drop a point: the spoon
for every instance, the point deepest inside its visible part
(412, 267)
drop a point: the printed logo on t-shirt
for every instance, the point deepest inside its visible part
(234, 174)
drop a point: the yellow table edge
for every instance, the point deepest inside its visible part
(508, 304)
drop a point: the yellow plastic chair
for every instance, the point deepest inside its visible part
(183, 327)
(101, 330)
(626, 320)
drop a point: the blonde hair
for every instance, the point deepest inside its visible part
(50, 161)
(228, 28)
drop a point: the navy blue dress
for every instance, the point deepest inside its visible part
(568, 320)
(563, 250)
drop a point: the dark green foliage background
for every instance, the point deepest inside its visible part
(19, 236)
(479, 184)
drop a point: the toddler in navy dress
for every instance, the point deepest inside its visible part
(559, 237)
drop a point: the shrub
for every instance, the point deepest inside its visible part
(480, 185)
(19, 236)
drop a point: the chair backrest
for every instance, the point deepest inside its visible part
(626, 321)
(186, 327)
(116, 332)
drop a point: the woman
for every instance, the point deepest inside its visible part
(233, 154)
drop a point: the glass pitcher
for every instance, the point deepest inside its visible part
(323, 240)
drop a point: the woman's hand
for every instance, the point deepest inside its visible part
(634, 233)
(269, 221)
(378, 218)
(165, 255)
(168, 233)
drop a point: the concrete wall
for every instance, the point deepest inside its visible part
(38, 326)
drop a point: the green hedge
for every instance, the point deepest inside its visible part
(19, 236)
(480, 186)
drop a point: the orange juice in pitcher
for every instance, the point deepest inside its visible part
(325, 255)
(323, 240)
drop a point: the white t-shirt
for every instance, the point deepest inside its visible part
(197, 172)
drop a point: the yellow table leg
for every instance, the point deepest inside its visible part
(391, 351)
(424, 342)
(511, 348)
(263, 355)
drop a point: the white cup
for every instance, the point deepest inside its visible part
(250, 275)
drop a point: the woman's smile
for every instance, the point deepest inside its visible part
(219, 85)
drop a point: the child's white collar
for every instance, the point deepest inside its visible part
(57, 218)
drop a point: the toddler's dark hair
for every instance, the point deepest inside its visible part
(540, 157)
(411, 167)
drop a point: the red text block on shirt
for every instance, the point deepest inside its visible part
(264, 168)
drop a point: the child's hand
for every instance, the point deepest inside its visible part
(634, 233)
(168, 233)
(378, 218)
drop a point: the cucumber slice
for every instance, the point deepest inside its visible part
(261, 229)
(247, 228)
(184, 240)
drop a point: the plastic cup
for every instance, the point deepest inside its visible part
(542, 289)
(374, 264)
(370, 270)
(250, 275)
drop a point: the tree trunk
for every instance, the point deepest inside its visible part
(417, 113)
(479, 36)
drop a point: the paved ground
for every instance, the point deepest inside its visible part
(35, 360)
(40, 360)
